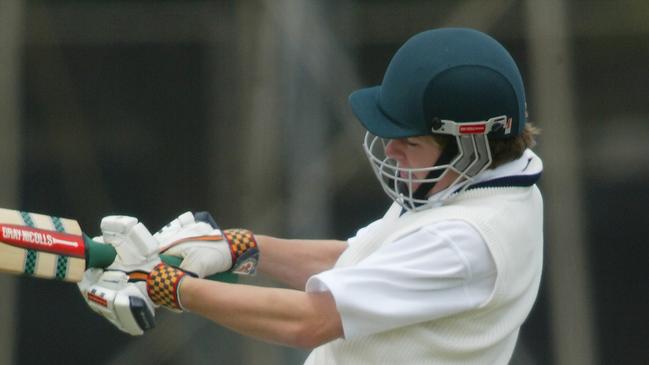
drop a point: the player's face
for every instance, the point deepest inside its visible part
(414, 152)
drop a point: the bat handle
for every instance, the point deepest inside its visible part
(101, 255)
(226, 277)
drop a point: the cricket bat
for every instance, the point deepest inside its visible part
(55, 248)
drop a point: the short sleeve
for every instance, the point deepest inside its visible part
(439, 270)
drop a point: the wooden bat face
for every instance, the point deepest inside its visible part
(42, 246)
(50, 247)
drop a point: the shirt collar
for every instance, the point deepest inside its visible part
(524, 171)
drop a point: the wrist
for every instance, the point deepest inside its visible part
(162, 286)
(185, 297)
(244, 250)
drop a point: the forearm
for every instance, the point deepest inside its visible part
(283, 316)
(293, 261)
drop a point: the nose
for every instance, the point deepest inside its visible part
(393, 149)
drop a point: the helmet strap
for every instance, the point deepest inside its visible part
(448, 154)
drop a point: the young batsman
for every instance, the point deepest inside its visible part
(448, 274)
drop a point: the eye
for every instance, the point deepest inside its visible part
(412, 142)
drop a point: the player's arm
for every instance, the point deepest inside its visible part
(284, 316)
(292, 262)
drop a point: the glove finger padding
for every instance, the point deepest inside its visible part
(119, 293)
(203, 259)
(124, 304)
(187, 225)
(136, 248)
(207, 250)
(236, 251)
(199, 243)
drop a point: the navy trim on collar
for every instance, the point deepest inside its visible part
(508, 181)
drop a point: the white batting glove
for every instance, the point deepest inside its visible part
(205, 249)
(120, 292)
(123, 304)
(137, 249)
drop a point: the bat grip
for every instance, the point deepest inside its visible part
(101, 255)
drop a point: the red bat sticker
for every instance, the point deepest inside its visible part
(42, 240)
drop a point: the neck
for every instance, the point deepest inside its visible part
(447, 179)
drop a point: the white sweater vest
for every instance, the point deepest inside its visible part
(511, 222)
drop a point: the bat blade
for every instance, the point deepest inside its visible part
(41, 246)
(51, 247)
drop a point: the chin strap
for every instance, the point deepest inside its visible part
(447, 155)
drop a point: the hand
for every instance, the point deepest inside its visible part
(207, 250)
(122, 303)
(129, 290)
(137, 256)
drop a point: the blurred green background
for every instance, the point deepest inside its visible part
(153, 108)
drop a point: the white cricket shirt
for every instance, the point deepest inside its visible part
(439, 270)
